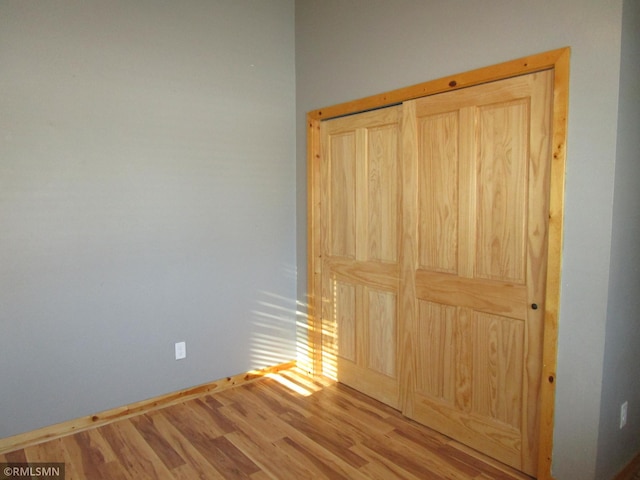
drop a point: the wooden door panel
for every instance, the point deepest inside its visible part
(498, 347)
(501, 209)
(382, 207)
(341, 194)
(382, 325)
(344, 302)
(438, 191)
(472, 377)
(485, 359)
(481, 163)
(360, 271)
(360, 339)
(437, 353)
(374, 384)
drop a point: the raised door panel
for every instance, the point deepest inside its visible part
(437, 352)
(344, 331)
(501, 208)
(341, 194)
(498, 368)
(382, 328)
(381, 171)
(438, 187)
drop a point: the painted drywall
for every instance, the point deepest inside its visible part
(147, 196)
(620, 380)
(347, 50)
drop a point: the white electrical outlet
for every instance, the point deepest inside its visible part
(181, 350)
(623, 414)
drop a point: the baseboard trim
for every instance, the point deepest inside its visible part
(69, 427)
(632, 467)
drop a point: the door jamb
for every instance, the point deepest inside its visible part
(558, 61)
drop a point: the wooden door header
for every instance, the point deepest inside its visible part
(534, 63)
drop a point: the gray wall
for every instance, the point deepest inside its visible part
(147, 196)
(350, 49)
(621, 378)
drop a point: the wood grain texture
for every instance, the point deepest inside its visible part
(554, 260)
(501, 235)
(409, 255)
(498, 368)
(382, 334)
(345, 302)
(500, 297)
(312, 361)
(342, 192)
(360, 207)
(373, 274)
(382, 174)
(520, 66)
(537, 248)
(286, 426)
(108, 416)
(436, 355)
(502, 177)
(438, 191)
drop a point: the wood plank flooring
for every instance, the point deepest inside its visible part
(631, 471)
(283, 426)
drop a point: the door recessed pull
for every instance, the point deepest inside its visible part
(534, 306)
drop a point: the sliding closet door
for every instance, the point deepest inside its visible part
(360, 204)
(474, 242)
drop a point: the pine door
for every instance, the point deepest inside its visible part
(475, 212)
(434, 225)
(360, 252)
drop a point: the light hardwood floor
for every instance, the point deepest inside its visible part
(283, 426)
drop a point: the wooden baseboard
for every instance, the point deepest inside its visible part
(627, 473)
(40, 435)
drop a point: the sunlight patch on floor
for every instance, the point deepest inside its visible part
(299, 389)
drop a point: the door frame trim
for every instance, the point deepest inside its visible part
(558, 61)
